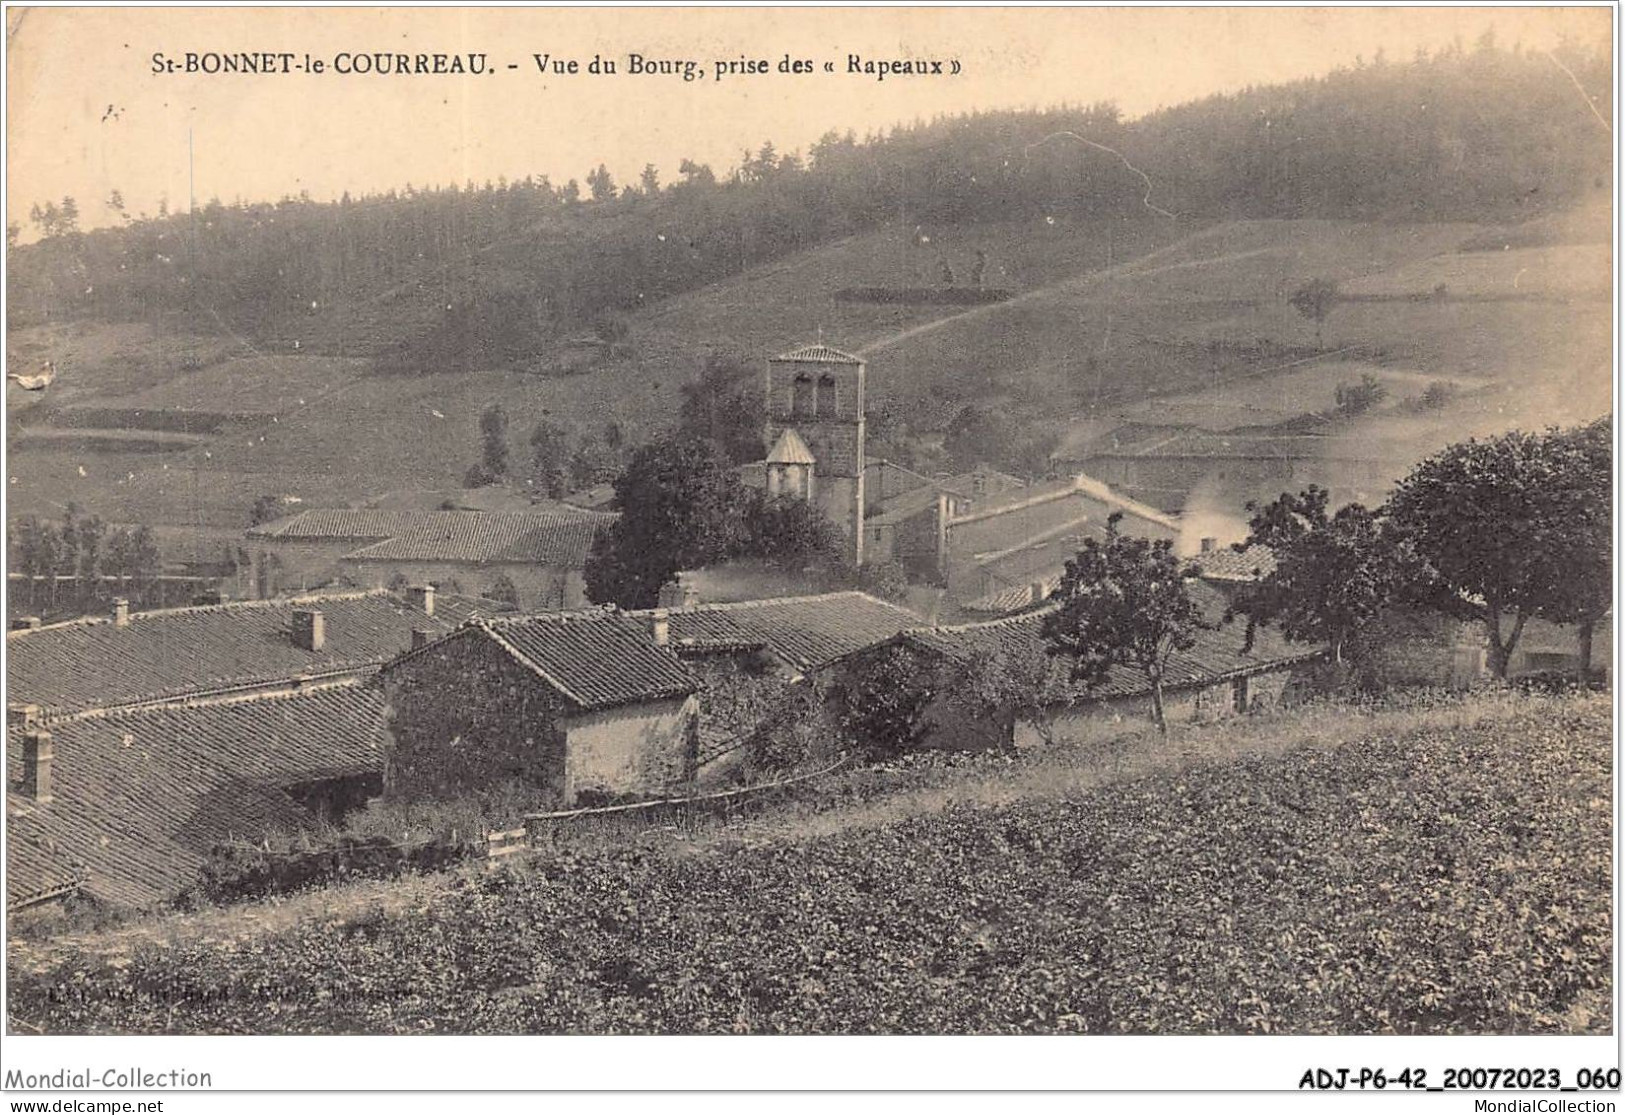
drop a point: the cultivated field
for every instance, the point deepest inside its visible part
(1143, 320)
(1437, 868)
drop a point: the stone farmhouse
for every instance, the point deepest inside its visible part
(139, 741)
(599, 704)
(540, 553)
(565, 708)
(1214, 679)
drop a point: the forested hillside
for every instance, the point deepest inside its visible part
(479, 275)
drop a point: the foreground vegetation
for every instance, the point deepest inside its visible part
(1451, 875)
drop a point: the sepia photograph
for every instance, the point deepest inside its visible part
(952, 522)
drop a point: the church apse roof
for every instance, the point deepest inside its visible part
(790, 450)
(817, 354)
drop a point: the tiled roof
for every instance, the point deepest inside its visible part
(806, 631)
(1085, 490)
(141, 797)
(340, 524)
(458, 608)
(547, 538)
(1227, 564)
(91, 663)
(38, 867)
(818, 354)
(1216, 655)
(790, 450)
(1013, 599)
(594, 658)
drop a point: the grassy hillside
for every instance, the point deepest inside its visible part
(1436, 870)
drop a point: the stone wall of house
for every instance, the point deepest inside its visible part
(462, 718)
(738, 693)
(635, 750)
(1418, 648)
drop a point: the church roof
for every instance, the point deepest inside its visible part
(819, 354)
(790, 450)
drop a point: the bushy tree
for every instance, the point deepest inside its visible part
(884, 579)
(681, 503)
(885, 705)
(494, 442)
(1513, 527)
(977, 436)
(1314, 300)
(1357, 398)
(601, 184)
(1334, 573)
(788, 532)
(726, 405)
(549, 458)
(1123, 603)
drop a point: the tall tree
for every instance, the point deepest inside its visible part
(680, 503)
(1512, 527)
(1333, 575)
(1123, 603)
(601, 184)
(1314, 300)
(725, 405)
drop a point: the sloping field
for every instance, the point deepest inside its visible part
(1452, 876)
(1107, 321)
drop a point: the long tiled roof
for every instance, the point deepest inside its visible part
(548, 538)
(141, 797)
(38, 866)
(806, 631)
(596, 659)
(92, 663)
(1216, 655)
(818, 354)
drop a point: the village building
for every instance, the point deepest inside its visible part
(141, 739)
(561, 709)
(1213, 679)
(748, 657)
(539, 555)
(125, 807)
(1164, 465)
(128, 659)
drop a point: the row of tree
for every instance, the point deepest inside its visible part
(1467, 135)
(1496, 531)
(79, 564)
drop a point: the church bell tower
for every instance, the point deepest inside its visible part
(815, 410)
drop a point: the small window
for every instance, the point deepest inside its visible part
(802, 400)
(826, 396)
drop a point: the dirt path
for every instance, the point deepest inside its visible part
(1133, 267)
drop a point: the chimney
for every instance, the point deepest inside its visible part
(660, 627)
(37, 756)
(420, 637)
(121, 612)
(1039, 592)
(21, 717)
(671, 593)
(25, 623)
(309, 630)
(421, 597)
(691, 595)
(1208, 545)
